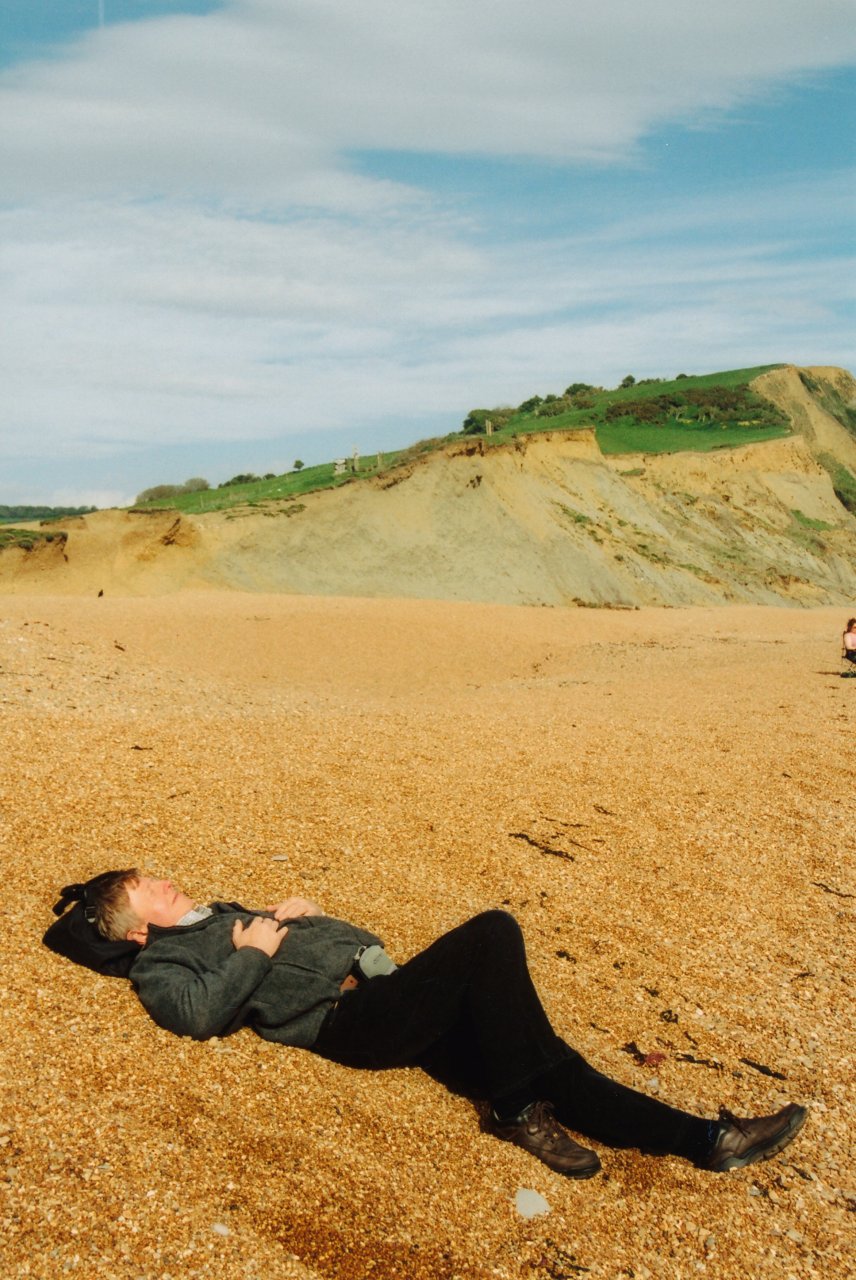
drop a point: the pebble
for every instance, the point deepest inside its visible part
(530, 1204)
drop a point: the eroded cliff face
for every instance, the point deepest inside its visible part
(544, 520)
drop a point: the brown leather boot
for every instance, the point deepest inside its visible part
(536, 1131)
(742, 1142)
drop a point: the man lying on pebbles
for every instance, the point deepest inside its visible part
(465, 1010)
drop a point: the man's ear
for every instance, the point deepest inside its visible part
(139, 934)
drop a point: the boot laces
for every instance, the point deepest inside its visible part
(727, 1117)
(541, 1117)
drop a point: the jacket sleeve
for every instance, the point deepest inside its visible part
(195, 999)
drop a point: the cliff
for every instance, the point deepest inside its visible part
(546, 519)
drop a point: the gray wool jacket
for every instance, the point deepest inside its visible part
(193, 981)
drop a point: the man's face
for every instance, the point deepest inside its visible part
(157, 901)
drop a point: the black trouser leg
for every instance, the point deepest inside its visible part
(590, 1103)
(467, 1011)
(467, 1002)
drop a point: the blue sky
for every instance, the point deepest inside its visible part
(236, 234)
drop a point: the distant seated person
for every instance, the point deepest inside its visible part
(465, 1010)
(848, 641)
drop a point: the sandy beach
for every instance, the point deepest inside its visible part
(664, 799)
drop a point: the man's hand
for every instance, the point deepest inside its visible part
(294, 907)
(262, 933)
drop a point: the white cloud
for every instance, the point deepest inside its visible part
(188, 254)
(138, 325)
(261, 97)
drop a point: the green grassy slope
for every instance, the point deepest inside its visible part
(693, 421)
(274, 491)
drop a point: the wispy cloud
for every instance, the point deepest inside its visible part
(266, 94)
(190, 254)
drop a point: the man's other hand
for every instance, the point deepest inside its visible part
(294, 907)
(262, 933)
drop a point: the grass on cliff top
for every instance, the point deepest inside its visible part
(17, 538)
(615, 435)
(630, 437)
(276, 492)
(685, 428)
(24, 539)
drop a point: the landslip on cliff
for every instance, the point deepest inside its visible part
(546, 519)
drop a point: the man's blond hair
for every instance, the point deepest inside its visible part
(114, 915)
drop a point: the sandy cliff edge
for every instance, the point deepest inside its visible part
(544, 520)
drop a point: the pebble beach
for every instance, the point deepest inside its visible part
(662, 797)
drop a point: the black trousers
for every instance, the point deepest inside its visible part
(466, 1010)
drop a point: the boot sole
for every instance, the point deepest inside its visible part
(579, 1174)
(585, 1171)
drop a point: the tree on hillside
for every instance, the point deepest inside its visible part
(196, 484)
(157, 493)
(475, 423)
(629, 381)
(9, 514)
(298, 465)
(554, 405)
(641, 410)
